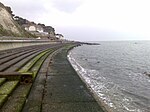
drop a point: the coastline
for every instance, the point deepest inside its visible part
(101, 103)
(105, 84)
(66, 76)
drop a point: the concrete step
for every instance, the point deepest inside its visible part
(6, 89)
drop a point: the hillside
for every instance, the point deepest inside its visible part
(8, 27)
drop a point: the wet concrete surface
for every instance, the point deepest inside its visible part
(58, 88)
(64, 91)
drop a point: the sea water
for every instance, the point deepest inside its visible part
(115, 71)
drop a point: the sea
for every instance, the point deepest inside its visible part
(115, 71)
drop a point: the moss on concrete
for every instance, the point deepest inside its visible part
(8, 87)
(3, 98)
(2, 80)
(30, 64)
(16, 102)
(37, 65)
(15, 106)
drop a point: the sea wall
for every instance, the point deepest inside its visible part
(10, 44)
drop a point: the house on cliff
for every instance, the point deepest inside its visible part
(36, 29)
(50, 30)
(42, 31)
(60, 36)
(33, 27)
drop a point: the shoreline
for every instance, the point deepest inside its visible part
(72, 86)
(115, 96)
(104, 106)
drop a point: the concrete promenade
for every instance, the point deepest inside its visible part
(50, 84)
(58, 88)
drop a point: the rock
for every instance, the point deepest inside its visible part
(148, 74)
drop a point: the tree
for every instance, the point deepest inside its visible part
(9, 10)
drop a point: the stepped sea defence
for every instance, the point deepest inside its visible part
(40, 78)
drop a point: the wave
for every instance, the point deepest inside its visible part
(106, 91)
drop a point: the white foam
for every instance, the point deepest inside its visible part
(107, 91)
(94, 85)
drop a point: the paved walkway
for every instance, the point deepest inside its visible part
(59, 89)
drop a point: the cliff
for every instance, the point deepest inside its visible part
(8, 27)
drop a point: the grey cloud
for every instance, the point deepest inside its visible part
(68, 6)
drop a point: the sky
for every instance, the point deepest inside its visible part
(89, 20)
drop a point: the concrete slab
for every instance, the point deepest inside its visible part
(72, 107)
(64, 91)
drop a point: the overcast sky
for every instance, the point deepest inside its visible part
(89, 20)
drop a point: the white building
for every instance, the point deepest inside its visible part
(35, 28)
(32, 28)
(60, 36)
